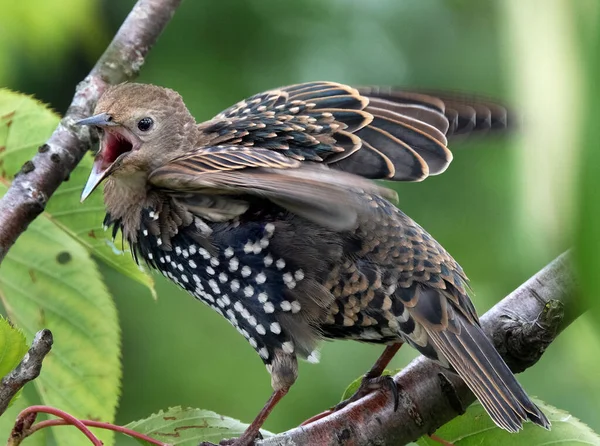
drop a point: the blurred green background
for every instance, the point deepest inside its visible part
(506, 207)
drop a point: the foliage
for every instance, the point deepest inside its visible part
(49, 279)
(475, 428)
(12, 348)
(188, 427)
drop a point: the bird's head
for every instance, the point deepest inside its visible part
(142, 126)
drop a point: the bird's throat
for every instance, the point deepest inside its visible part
(125, 196)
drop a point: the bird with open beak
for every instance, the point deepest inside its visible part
(267, 214)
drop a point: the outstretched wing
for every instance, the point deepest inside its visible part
(219, 182)
(373, 132)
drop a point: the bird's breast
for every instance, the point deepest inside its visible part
(239, 270)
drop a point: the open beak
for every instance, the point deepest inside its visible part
(97, 174)
(115, 142)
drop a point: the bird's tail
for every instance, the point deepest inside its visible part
(474, 358)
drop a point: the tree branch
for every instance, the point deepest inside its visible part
(27, 370)
(40, 177)
(521, 326)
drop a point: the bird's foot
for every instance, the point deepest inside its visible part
(369, 385)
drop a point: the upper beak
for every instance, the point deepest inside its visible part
(101, 119)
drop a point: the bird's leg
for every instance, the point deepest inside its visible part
(371, 381)
(253, 431)
(283, 368)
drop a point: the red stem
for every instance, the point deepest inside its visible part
(68, 419)
(101, 425)
(64, 419)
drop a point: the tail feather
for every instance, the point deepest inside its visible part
(473, 357)
(490, 353)
(494, 403)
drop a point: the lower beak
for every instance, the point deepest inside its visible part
(95, 178)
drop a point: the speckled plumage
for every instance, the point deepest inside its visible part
(266, 213)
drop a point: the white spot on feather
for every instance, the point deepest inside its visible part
(296, 306)
(260, 278)
(314, 357)
(263, 297)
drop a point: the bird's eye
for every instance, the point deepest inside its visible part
(145, 124)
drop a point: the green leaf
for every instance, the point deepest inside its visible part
(48, 279)
(13, 347)
(25, 124)
(475, 427)
(187, 427)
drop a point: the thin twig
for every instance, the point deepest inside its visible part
(27, 370)
(521, 326)
(31, 189)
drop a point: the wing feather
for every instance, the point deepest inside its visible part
(374, 132)
(330, 198)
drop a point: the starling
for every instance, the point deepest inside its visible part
(267, 214)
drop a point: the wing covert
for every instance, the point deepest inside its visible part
(234, 175)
